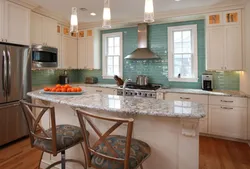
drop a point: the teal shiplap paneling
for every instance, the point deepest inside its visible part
(157, 70)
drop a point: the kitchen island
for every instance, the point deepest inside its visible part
(170, 128)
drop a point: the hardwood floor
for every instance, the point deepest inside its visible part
(214, 154)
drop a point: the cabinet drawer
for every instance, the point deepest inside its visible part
(203, 99)
(228, 101)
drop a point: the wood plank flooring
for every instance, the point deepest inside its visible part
(214, 154)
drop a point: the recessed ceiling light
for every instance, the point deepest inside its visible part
(177, 0)
(93, 14)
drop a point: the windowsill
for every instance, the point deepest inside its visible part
(183, 79)
(109, 77)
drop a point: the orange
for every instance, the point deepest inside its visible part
(46, 89)
(67, 86)
(53, 89)
(68, 90)
(64, 90)
(58, 86)
(73, 90)
(78, 89)
(58, 90)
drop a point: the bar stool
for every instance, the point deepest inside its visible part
(112, 151)
(55, 140)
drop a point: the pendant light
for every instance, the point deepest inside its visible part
(74, 21)
(149, 11)
(106, 15)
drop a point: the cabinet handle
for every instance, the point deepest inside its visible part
(225, 101)
(227, 108)
(100, 91)
(184, 98)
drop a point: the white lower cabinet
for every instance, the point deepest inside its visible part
(202, 99)
(228, 121)
(100, 90)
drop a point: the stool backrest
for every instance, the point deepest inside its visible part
(86, 116)
(36, 131)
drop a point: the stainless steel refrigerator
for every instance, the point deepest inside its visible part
(15, 76)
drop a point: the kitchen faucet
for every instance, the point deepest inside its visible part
(124, 86)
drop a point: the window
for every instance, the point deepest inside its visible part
(182, 54)
(112, 58)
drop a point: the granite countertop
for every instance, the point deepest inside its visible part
(202, 92)
(127, 105)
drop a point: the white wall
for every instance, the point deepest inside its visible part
(245, 76)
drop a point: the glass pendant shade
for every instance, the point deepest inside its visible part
(149, 11)
(74, 21)
(106, 15)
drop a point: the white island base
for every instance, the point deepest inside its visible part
(174, 142)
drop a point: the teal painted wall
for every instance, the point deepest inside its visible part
(157, 70)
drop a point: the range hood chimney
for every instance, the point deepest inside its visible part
(142, 52)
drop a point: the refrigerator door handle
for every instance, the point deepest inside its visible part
(9, 72)
(4, 80)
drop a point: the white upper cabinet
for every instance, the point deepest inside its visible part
(215, 48)
(69, 53)
(224, 41)
(89, 49)
(43, 30)
(1, 20)
(14, 23)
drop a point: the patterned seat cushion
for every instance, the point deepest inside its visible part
(139, 151)
(66, 136)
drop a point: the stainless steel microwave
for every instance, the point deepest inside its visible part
(44, 56)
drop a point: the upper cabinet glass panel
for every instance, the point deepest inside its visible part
(214, 19)
(232, 17)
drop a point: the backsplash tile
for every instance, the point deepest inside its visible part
(157, 70)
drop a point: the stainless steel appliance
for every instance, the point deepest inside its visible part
(15, 75)
(207, 82)
(132, 89)
(142, 80)
(44, 56)
(142, 52)
(91, 80)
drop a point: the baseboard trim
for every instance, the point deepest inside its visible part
(225, 138)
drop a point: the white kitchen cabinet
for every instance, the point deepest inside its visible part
(69, 53)
(228, 121)
(202, 99)
(15, 23)
(100, 90)
(1, 19)
(215, 48)
(43, 30)
(233, 50)
(89, 49)
(224, 42)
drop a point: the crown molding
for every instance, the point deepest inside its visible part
(170, 16)
(42, 11)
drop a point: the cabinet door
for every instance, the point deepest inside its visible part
(90, 53)
(36, 29)
(233, 49)
(215, 48)
(17, 24)
(1, 20)
(228, 121)
(69, 53)
(51, 32)
(82, 53)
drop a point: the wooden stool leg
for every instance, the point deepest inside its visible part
(141, 166)
(63, 159)
(39, 166)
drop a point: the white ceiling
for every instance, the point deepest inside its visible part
(120, 9)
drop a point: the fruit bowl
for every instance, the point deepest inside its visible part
(63, 90)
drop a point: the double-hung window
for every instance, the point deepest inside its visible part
(112, 59)
(182, 53)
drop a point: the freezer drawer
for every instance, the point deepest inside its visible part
(12, 123)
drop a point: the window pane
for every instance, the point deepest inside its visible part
(110, 61)
(186, 36)
(110, 42)
(116, 60)
(177, 36)
(116, 70)
(110, 71)
(117, 50)
(177, 60)
(178, 47)
(111, 51)
(183, 66)
(117, 41)
(186, 47)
